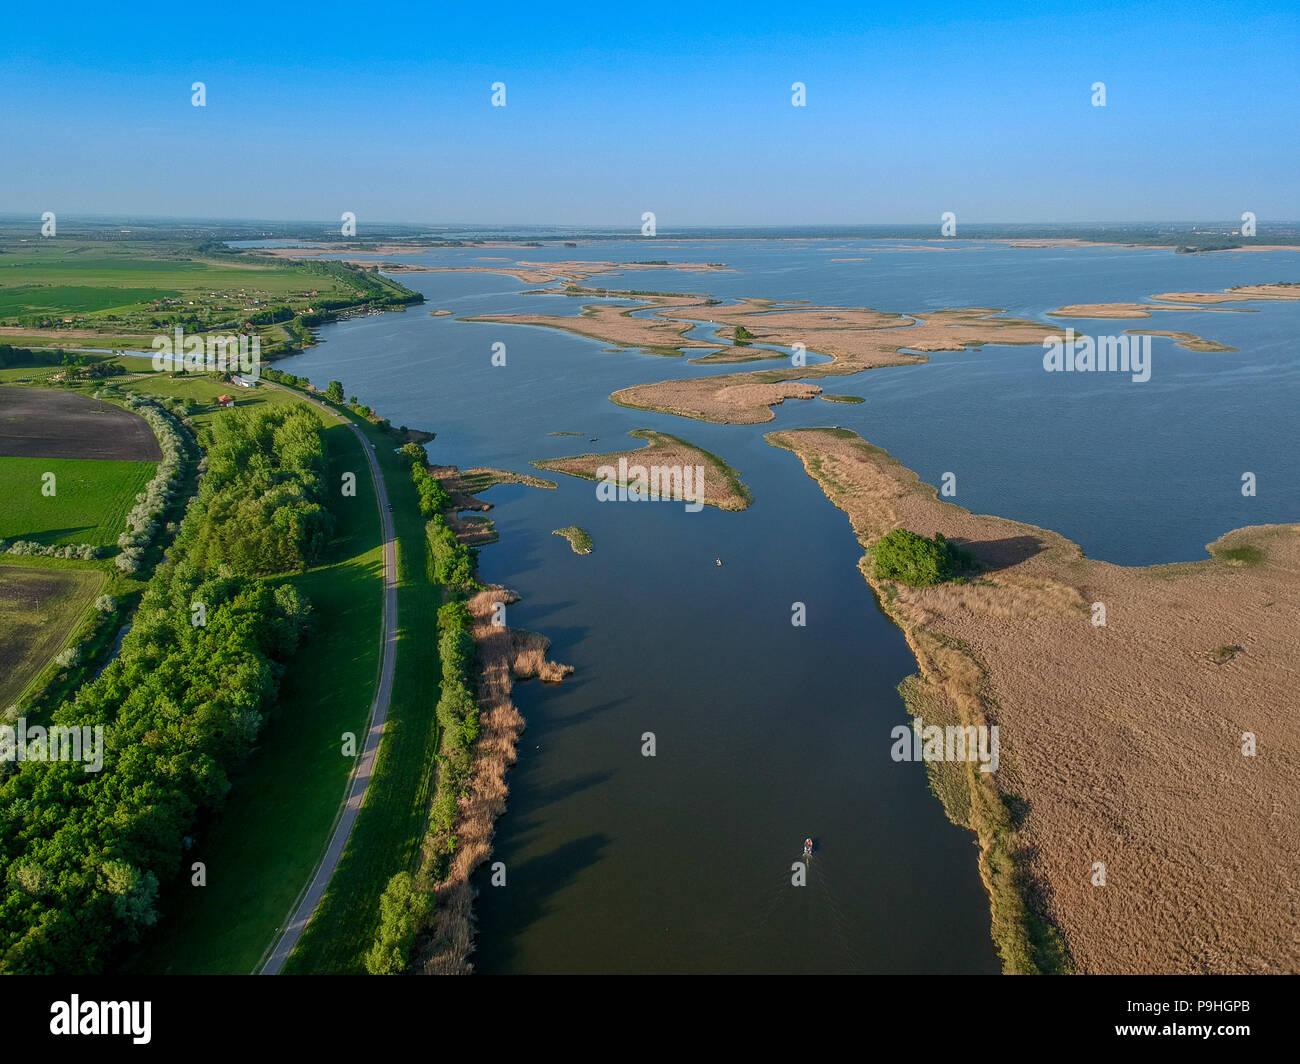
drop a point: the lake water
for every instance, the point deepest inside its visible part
(766, 732)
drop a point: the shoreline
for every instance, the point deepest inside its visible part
(458, 839)
(1045, 915)
(446, 943)
(1088, 738)
(665, 452)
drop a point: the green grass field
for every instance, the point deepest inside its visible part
(75, 299)
(205, 391)
(39, 608)
(387, 834)
(106, 281)
(265, 845)
(80, 293)
(90, 502)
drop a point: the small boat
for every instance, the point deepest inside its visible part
(717, 561)
(807, 847)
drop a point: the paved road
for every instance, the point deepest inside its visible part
(378, 715)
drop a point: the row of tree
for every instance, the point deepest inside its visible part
(404, 906)
(82, 853)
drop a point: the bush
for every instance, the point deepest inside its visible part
(453, 562)
(29, 548)
(401, 907)
(917, 561)
(433, 497)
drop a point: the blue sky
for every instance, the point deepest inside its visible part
(385, 109)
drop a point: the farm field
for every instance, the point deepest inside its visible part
(108, 283)
(74, 292)
(58, 423)
(39, 608)
(90, 504)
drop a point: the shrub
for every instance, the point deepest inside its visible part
(401, 907)
(453, 562)
(917, 561)
(30, 548)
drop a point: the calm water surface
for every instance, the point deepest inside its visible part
(765, 732)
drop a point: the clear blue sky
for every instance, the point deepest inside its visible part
(614, 109)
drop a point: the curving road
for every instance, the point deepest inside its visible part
(375, 729)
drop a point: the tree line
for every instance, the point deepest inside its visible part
(82, 854)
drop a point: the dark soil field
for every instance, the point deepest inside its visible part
(41, 423)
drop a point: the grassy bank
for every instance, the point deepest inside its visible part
(391, 823)
(265, 845)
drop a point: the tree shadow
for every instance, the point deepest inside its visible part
(526, 898)
(995, 554)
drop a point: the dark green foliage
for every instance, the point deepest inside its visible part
(401, 907)
(334, 392)
(453, 562)
(280, 377)
(82, 853)
(260, 503)
(433, 497)
(457, 712)
(22, 356)
(911, 559)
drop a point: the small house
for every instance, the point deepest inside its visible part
(225, 401)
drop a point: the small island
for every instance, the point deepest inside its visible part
(665, 468)
(578, 538)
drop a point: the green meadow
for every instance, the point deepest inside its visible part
(89, 504)
(387, 834)
(264, 846)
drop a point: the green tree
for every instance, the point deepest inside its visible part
(334, 393)
(915, 560)
(401, 907)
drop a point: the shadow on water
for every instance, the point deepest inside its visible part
(528, 894)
